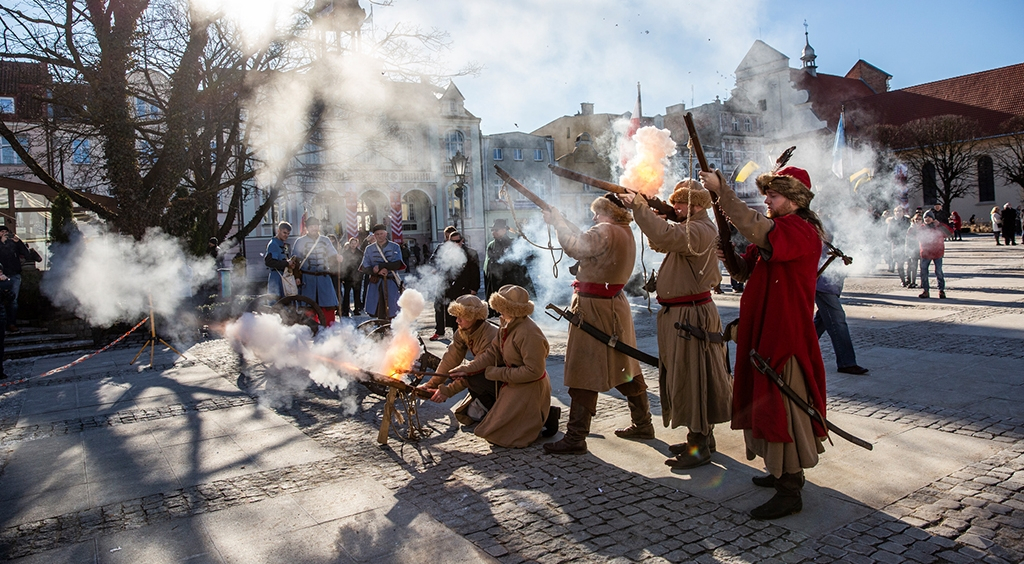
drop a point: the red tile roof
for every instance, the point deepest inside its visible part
(999, 89)
(827, 93)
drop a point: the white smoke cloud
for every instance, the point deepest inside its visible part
(107, 277)
(334, 359)
(432, 279)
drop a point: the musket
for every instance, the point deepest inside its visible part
(833, 253)
(396, 384)
(762, 366)
(507, 178)
(724, 233)
(657, 204)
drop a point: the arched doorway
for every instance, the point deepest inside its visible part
(372, 208)
(417, 219)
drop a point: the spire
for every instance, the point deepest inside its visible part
(807, 57)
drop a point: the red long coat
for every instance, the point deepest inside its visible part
(777, 320)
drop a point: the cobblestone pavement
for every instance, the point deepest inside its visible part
(519, 505)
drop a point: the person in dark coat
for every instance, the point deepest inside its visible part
(12, 251)
(461, 280)
(351, 277)
(1009, 224)
(498, 271)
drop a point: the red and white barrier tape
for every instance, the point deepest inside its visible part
(80, 360)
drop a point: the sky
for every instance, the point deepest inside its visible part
(541, 59)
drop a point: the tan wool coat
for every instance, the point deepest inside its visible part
(517, 359)
(696, 387)
(476, 340)
(606, 253)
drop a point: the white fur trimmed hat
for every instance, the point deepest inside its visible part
(512, 300)
(468, 307)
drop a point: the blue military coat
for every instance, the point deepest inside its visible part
(316, 273)
(372, 257)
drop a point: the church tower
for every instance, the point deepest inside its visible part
(807, 56)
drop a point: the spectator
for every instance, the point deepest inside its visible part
(831, 317)
(461, 280)
(276, 258)
(498, 271)
(6, 295)
(12, 251)
(896, 232)
(1009, 217)
(912, 250)
(351, 277)
(958, 224)
(930, 236)
(317, 257)
(997, 223)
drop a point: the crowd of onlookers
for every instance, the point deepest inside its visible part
(917, 242)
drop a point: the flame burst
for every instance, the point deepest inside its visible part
(645, 171)
(400, 356)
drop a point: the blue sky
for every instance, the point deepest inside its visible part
(542, 58)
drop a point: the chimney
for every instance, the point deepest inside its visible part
(586, 109)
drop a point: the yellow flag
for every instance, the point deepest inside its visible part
(746, 171)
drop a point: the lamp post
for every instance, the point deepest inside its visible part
(459, 167)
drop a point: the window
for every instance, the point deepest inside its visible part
(7, 154)
(453, 141)
(497, 188)
(930, 188)
(6, 105)
(452, 107)
(404, 153)
(538, 154)
(144, 109)
(517, 154)
(497, 154)
(735, 124)
(80, 153)
(747, 125)
(762, 105)
(986, 180)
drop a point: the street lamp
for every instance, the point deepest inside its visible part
(459, 167)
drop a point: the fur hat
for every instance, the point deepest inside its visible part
(690, 191)
(448, 231)
(791, 182)
(611, 206)
(512, 300)
(469, 307)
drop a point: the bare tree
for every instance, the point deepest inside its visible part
(164, 90)
(942, 150)
(1010, 161)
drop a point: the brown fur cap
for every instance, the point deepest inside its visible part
(691, 192)
(468, 307)
(512, 300)
(791, 182)
(609, 205)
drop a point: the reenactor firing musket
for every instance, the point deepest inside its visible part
(657, 204)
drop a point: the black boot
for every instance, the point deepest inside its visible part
(640, 415)
(551, 423)
(769, 480)
(680, 448)
(786, 501)
(576, 431)
(698, 452)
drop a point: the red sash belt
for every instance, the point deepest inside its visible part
(597, 290)
(687, 301)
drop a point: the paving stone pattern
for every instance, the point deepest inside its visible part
(519, 505)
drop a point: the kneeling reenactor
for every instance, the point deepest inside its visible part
(516, 360)
(474, 335)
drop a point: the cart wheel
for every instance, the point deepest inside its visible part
(300, 310)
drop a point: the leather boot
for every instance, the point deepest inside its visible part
(576, 431)
(786, 501)
(640, 415)
(698, 452)
(680, 448)
(769, 480)
(551, 423)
